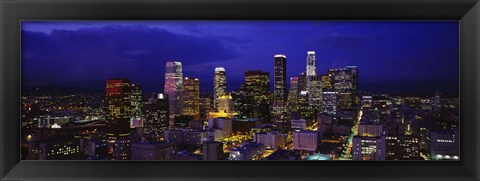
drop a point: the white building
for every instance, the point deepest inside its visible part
(271, 140)
(305, 140)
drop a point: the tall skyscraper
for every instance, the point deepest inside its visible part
(219, 84)
(191, 94)
(257, 85)
(119, 105)
(174, 88)
(156, 112)
(280, 116)
(292, 101)
(119, 112)
(280, 78)
(314, 82)
(345, 82)
(136, 118)
(311, 67)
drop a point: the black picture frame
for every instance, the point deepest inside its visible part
(13, 11)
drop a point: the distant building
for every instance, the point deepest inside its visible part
(248, 151)
(152, 150)
(271, 140)
(212, 150)
(305, 140)
(256, 89)
(330, 103)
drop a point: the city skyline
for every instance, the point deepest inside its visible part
(350, 41)
(323, 115)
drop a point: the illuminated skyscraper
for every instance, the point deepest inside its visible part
(292, 101)
(156, 113)
(119, 112)
(174, 88)
(280, 78)
(345, 82)
(280, 93)
(327, 82)
(191, 94)
(311, 63)
(119, 105)
(136, 118)
(257, 85)
(219, 84)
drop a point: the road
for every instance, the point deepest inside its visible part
(346, 154)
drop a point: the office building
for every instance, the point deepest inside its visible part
(174, 88)
(191, 95)
(156, 114)
(305, 140)
(219, 84)
(272, 139)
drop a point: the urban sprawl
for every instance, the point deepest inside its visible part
(321, 116)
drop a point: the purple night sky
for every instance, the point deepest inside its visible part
(392, 56)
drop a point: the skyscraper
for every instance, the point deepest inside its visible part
(156, 114)
(174, 88)
(280, 78)
(292, 101)
(257, 85)
(314, 82)
(191, 94)
(280, 116)
(345, 82)
(119, 105)
(219, 84)
(136, 118)
(119, 108)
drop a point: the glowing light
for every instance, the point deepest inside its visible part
(219, 69)
(311, 52)
(280, 56)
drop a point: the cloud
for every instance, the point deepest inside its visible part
(137, 52)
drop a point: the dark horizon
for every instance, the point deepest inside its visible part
(392, 56)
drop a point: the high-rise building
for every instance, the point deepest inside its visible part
(280, 78)
(292, 101)
(302, 82)
(219, 84)
(280, 115)
(311, 64)
(136, 118)
(327, 82)
(119, 105)
(257, 85)
(205, 107)
(174, 88)
(191, 95)
(330, 103)
(119, 112)
(315, 93)
(156, 114)
(345, 82)
(212, 150)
